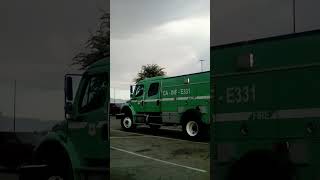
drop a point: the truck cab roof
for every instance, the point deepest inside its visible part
(101, 65)
(167, 77)
(152, 79)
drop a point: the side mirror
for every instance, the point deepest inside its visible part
(68, 88)
(68, 110)
(131, 89)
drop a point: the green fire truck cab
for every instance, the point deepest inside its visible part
(77, 148)
(266, 108)
(165, 101)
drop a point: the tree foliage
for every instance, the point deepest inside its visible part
(97, 46)
(148, 71)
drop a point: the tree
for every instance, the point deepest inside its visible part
(97, 46)
(149, 70)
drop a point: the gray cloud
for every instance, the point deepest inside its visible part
(130, 17)
(174, 34)
(38, 40)
(249, 19)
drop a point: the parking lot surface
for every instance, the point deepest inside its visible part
(4, 175)
(145, 154)
(165, 154)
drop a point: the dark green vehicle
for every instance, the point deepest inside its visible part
(78, 148)
(266, 108)
(166, 101)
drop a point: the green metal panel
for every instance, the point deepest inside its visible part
(276, 99)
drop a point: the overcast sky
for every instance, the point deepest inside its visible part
(233, 21)
(38, 39)
(172, 33)
(37, 42)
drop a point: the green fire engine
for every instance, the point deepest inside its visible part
(78, 148)
(165, 101)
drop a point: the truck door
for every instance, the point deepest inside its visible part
(152, 98)
(86, 128)
(137, 100)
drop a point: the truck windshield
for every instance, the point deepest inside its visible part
(138, 91)
(94, 95)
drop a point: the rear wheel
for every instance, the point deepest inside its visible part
(127, 123)
(192, 126)
(192, 129)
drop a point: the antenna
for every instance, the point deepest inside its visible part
(201, 61)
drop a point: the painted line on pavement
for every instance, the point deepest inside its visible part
(162, 161)
(160, 137)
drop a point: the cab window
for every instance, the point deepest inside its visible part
(153, 89)
(139, 90)
(95, 93)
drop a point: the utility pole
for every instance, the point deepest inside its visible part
(201, 61)
(114, 95)
(14, 106)
(294, 15)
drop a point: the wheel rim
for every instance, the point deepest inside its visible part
(127, 122)
(192, 128)
(55, 178)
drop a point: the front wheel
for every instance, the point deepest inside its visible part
(59, 170)
(127, 123)
(56, 177)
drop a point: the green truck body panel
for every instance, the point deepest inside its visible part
(83, 136)
(266, 92)
(173, 96)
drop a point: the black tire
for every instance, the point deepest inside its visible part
(262, 165)
(154, 127)
(127, 123)
(59, 168)
(56, 159)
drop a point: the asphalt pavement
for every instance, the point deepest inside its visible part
(165, 154)
(146, 154)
